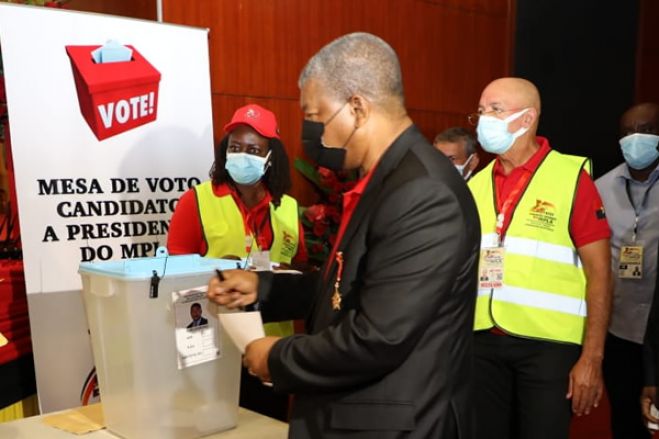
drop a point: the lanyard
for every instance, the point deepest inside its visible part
(256, 232)
(504, 210)
(639, 209)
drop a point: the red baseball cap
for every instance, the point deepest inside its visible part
(257, 117)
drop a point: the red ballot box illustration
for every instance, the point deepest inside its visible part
(114, 97)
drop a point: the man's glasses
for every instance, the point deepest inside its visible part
(473, 117)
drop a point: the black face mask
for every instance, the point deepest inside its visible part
(312, 134)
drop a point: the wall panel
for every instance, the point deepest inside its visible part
(647, 66)
(449, 50)
(145, 9)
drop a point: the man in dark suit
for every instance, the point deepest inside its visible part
(197, 319)
(388, 353)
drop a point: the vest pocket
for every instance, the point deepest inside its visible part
(218, 229)
(397, 416)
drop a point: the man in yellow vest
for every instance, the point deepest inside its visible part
(544, 275)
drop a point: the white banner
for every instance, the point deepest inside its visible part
(101, 151)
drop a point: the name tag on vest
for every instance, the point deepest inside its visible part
(490, 271)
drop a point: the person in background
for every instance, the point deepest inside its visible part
(387, 353)
(459, 145)
(631, 200)
(545, 279)
(242, 211)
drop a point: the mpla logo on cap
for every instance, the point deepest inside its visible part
(114, 97)
(252, 114)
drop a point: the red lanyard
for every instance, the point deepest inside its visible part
(257, 235)
(505, 210)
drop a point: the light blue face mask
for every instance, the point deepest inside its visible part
(493, 134)
(640, 150)
(246, 168)
(461, 168)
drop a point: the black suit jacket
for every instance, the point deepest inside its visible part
(202, 321)
(396, 360)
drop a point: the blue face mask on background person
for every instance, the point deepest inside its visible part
(246, 168)
(493, 133)
(640, 150)
(461, 168)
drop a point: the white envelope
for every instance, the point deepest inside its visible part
(243, 327)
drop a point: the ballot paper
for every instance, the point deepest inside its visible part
(243, 327)
(654, 412)
(79, 420)
(111, 52)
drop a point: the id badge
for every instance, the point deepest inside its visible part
(491, 268)
(261, 260)
(630, 265)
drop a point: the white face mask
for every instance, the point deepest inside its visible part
(461, 168)
(493, 134)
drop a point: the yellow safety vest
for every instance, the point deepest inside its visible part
(544, 286)
(224, 233)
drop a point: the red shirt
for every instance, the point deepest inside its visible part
(587, 224)
(186, 235)
(350, 201)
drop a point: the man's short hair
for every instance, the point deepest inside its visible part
(357, 64)
(195, 305)
(456, 134)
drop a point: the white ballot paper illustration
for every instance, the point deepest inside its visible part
(243, 327)
(197, 335)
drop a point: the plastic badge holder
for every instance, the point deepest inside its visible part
(132, 327)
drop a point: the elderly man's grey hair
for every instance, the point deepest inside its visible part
(357, 64)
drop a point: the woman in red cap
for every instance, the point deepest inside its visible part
(243, 211)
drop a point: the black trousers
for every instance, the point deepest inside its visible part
(521, 386)
(623, 377)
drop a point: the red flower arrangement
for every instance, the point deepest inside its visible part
(321, 221)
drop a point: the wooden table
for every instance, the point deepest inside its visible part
(250, 426)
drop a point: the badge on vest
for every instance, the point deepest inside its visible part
(631, 262)
(491, 268)
(261, 260)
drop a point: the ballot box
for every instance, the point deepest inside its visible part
(160, 375)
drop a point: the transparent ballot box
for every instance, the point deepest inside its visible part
(165, 369)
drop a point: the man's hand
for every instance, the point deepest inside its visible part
(237, 290)
(648, 396)
(256, 357)
(586, 385)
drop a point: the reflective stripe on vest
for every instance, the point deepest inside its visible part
(539, 249)
(544, 286)
(224, 232)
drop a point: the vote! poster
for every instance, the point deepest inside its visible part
(110, 123)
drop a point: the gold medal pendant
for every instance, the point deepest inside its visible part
(336, 297)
